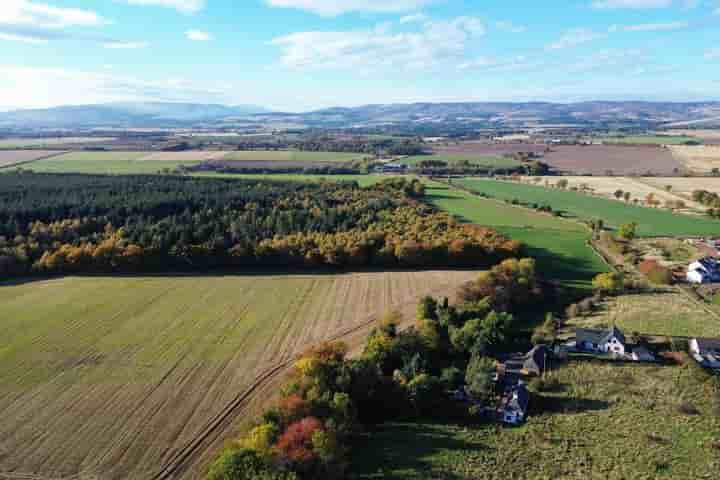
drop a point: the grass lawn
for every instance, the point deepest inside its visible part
(293, 156)
(648, 140)
(560, 246)
(479, 160)
(651, 222)
(669, 313)
(604, 421)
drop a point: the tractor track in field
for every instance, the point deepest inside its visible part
(182, 460)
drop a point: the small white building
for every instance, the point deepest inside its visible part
(705, 270)
(698, 276)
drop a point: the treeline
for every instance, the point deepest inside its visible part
(85, 223)
(329, 143)
(709, 199)
(466, 167)
(440, 368)
(230, 168)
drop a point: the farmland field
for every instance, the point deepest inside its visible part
(621, 160)
(481, 161)
(112, 377)
(602, 421)
(702, 159)
(648, 140)
(638, 187)
(8, 158)
(560, 246)
(104, 163)
(189, 156)
(292, 156)
(683, 186)
(486, 149)
(363, 180)
(49, 142)
(651, 222)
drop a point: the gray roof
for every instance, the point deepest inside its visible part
(707, 344)
(535, 359)
(598, 336)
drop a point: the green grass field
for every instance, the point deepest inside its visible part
(647, 140)
(560, 246)
(113, 164)
(293, 156)
(613, 422)
(12, 143)
(481, 161)
(651, 222)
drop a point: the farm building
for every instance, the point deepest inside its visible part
(706, 351)
(705, 270)
(600, 341)
(390, 168)
(514, 405)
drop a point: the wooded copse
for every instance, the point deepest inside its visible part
(85, 223)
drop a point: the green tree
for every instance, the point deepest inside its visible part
(628, 231)
(479, 378)
(609, 282)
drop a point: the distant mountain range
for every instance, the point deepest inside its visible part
(416, 115)
(151, 114)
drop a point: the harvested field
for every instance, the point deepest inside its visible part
(9, 158)
(638, 187)
(292, 156)
(127, 377)
(621, 160)
(189, 156)
(701, 159)
(486, 149)
(647, 140)
(710, 137)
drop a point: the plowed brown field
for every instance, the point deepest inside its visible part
(144, 377)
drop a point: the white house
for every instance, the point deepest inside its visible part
(706, 351)
(698, 276)
(600, 341)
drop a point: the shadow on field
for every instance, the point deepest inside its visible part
(398, 451)
(547, 404)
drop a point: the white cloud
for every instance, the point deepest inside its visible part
(510, 27)
(415, 18)
(631, 4)
(574, 38)
(712, 54)
(184, 6)
(198, 36)
(12, 37)
(434, 43)
(37, 87)
(651, 27)
(333, 8)
(125, 45)
(40, 15)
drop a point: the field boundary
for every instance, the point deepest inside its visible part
(25, 162)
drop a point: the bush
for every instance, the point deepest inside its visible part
(244, 464)
(452, 378)
(610, 283)
(716, 299)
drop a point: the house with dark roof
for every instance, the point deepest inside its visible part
(610, 340)
(532, 363)
(706, 351)
(514, 405)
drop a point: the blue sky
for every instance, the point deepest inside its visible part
(304, 54)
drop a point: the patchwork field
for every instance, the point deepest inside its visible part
(651, 222)
(8, 158)
(640, 187)
(560, 246)
(126, 377)
(481, 161)
(701, 159)
(619, 159)
(599, 421)
(486, 149)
